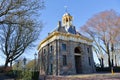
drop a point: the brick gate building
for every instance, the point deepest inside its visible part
(65, 51)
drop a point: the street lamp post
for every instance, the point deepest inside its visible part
(35, 61)
(24, 63)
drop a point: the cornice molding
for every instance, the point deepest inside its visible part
(64, 36)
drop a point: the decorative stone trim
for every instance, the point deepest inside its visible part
(64, 36)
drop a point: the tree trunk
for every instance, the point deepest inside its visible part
(102, 63)
(115, 61)
(6, 63)
(109, 62)
(108, 52)
(11, 63)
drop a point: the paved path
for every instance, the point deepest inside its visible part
(97, 76)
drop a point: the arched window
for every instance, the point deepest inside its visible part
(77, 50)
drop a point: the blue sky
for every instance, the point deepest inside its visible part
(81, 10)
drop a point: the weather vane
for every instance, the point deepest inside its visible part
(66, 10)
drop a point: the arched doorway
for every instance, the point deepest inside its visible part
(77, 53)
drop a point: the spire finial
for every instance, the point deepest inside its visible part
(66, 10)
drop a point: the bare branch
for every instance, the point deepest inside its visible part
(18, 28)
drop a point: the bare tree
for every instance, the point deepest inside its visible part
(18, 27)
(96, 44)
(12, 8)
(105, 27)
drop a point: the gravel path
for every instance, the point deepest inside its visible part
(100, 76)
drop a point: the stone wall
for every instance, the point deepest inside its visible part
(55, 58)
(70, 68)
